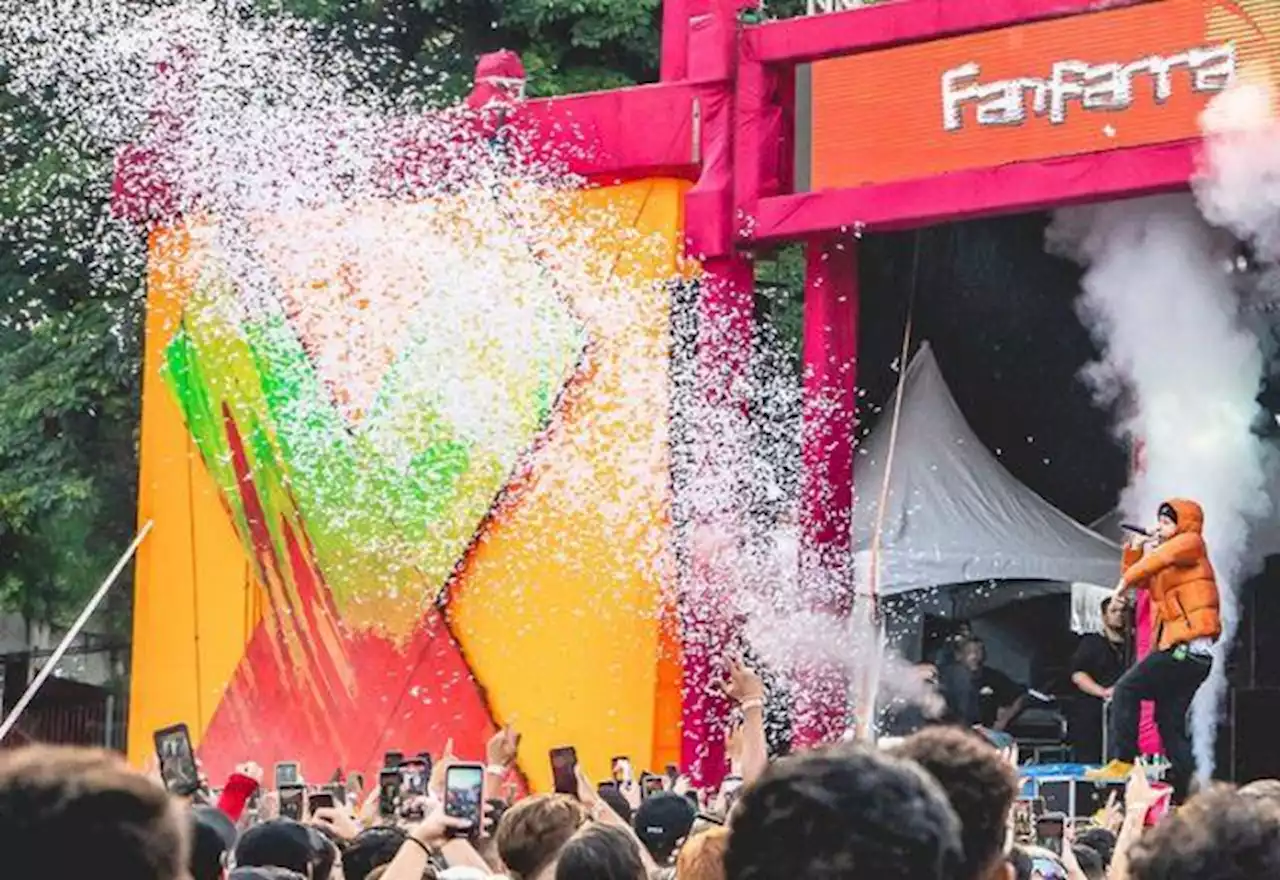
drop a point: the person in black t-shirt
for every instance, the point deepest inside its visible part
(976, 693)
(1097, 664)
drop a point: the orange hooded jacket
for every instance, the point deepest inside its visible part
(1179, 576)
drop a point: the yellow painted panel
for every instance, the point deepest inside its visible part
(558, 609)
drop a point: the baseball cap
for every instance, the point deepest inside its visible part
(213, 835)
(280, 843)
(662, 822)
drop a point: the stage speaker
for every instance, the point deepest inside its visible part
(1253, 746)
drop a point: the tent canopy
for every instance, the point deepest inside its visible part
(953, 514)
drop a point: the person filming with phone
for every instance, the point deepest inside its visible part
(1172, 564)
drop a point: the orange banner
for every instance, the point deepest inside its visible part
(1099, 81)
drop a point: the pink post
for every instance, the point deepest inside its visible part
(830, 378)
(725, 308)
(675, 40)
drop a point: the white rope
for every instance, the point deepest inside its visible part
(72, 633)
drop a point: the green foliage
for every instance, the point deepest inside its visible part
(69, 354)
(567, 45)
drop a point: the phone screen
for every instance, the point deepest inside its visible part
(287, 775)
(1049, 832)
(318, 800)
(652, 785)
(392, 759)
(564, 769)
(177, 760)
(414, 775)
(388, 792)
(730, 789)
(1024, 830)
(464, 793)
(621, 769)
(292, 801)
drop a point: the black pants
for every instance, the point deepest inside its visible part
(1170, 683)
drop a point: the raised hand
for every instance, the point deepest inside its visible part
(742, 683)
(338, 820)
(502, 747)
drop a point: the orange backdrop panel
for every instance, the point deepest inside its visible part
(878, 116)
(195, 604)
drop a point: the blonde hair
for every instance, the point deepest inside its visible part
(702, 856)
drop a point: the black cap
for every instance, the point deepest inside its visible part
(662, 822)
(280, 843)
(213, 834)
(1167, 510)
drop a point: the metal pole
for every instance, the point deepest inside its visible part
(72, 633)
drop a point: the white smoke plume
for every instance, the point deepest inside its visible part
(1182, 374)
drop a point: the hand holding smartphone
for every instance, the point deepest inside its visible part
(319, 800)
(177, 760)
(288, 774)
(464, 796)
(389, 792)
(564, 770)
(293, 802)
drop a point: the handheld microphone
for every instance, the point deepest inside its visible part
(1137, 530)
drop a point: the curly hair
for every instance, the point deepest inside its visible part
(532, 833)
(844, 812)
(1218, 835)
(979, 783)
(702, 857)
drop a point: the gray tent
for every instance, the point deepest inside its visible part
(954, 515)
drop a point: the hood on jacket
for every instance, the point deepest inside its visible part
(498, 80)
(1189, 514)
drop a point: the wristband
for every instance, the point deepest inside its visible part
(425, 849)
(753, 703)
(496, 769)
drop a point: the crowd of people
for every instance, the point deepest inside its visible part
(940, 804)
(943, 803)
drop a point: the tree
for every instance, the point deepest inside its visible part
(567, 45)
(69, 351)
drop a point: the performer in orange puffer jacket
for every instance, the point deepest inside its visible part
(1173, 566)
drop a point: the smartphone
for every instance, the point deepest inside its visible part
(1050, 830)
(564, 769)
(651, 784)
(1024, 828)
(464, 795)
(414, 775)
(293, 800)
(318, 800)
(392, 759)
(424, 758)
(288, 775)
(622, 769)
(730, 789)
(673, 773)
(177, 760)
(388, 792)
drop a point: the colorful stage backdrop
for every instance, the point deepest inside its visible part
(359, 546)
